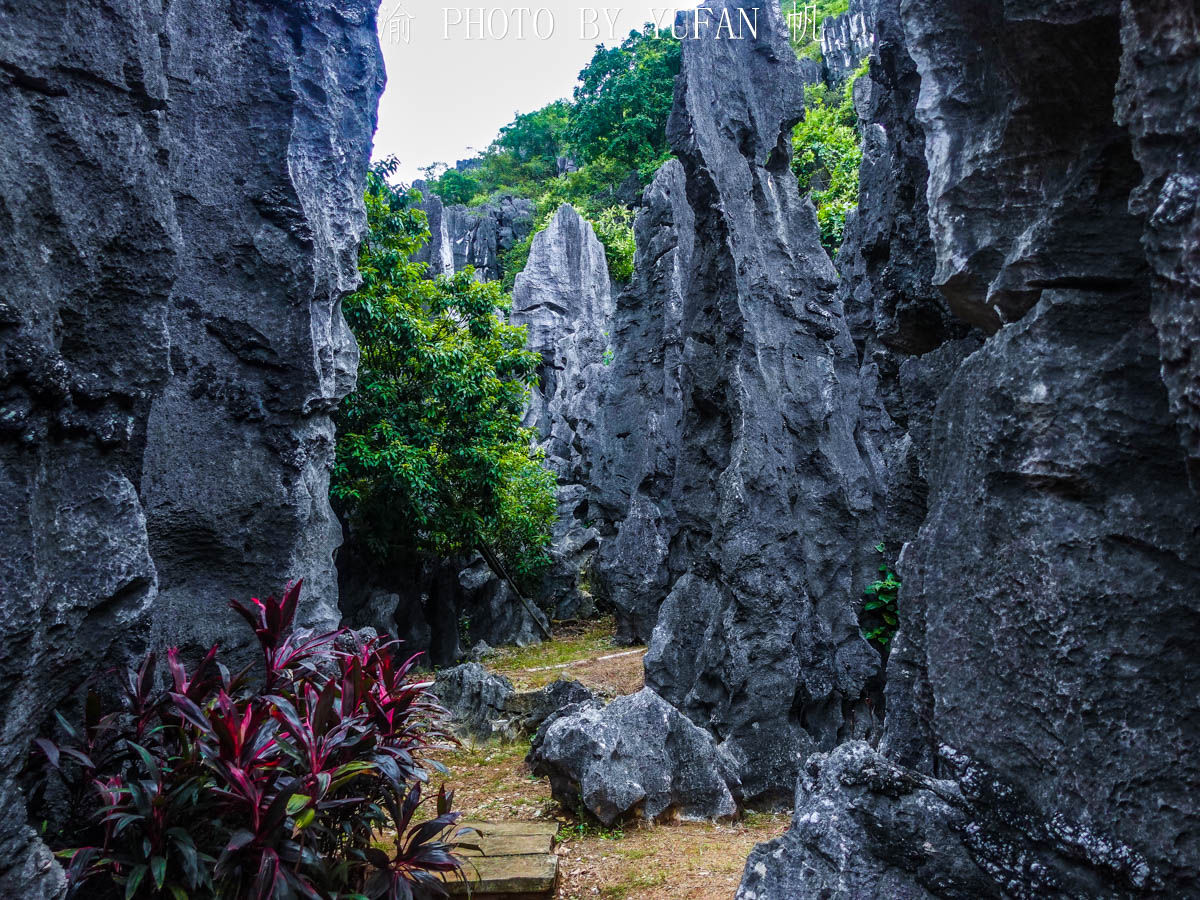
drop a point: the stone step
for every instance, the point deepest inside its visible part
(509, 861)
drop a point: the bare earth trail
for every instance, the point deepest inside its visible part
(682, 861)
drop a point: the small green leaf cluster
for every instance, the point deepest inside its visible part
(431, 454)
(826, 157)
(880, 611)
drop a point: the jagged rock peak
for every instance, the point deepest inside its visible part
(564, 298)
(758, 640)
(642, 412)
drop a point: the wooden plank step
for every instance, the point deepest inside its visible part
(514, 861)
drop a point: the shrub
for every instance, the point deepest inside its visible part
(880, 612)
(217, 785)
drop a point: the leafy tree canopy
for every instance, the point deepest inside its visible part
(623, 100)
(431, 454)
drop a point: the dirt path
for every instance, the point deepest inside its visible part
(686, 861)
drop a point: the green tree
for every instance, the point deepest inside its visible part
(456, 187)
(537, 136)
(623, 100)
(431, 455)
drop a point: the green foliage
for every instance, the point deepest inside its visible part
(537, 137)
(880, 612)
(614, 228)
(431, 455)
(456, 187)
(826, 158)
(623, 100)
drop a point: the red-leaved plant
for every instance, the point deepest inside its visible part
(221, 785)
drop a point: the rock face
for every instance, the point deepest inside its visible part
(462, 236)
(636, 756)
(1041, 718)
(642, 412)
(182, 207)
(564, 298)
(776, 486)
(967, 836)
(1159, 102)
(846, 40)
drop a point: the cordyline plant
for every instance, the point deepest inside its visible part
(220, 785)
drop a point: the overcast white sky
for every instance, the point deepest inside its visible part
(465, 71)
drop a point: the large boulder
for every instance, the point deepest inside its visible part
(636, 757)
(484, 704)
(777, 486)
(182, 193)
(476, 698)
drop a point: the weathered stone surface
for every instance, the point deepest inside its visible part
(776, 495)
(181, 193)
(529, 709)
(1040, 671)
(636, 756)
(476, 698)
(846, 40)
(564, 298)
(1159, 101)
(478, 236)
(865, 827)
(641, 412)
(484, 704)
(1022, 122)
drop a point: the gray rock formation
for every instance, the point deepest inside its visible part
(846, 40)
(1042, 718)
(563, 297)
(476, 698)
(635, 757)
(641, 413)
(776, 487)
(1159, 102)
(865, 827)
(484, 704)
(462, 236)
(182, 193)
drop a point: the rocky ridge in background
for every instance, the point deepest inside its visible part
(479, 236)
(183, 196)
(846, 40)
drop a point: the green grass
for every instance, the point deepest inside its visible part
(586, 640)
